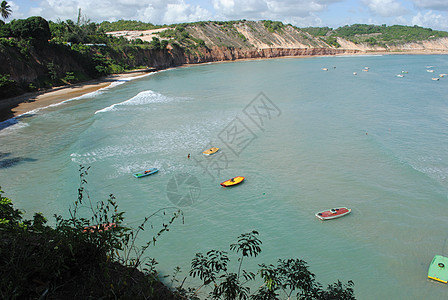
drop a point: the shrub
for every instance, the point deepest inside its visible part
(8, 87)
(81, 257)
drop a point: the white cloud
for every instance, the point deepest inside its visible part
(385, 8)
(154, 11)
(233, 9)
(297, 12)
(181, 12)
(432, 4)
(431, 20)
(310, 20)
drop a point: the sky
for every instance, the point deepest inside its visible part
(301, 13)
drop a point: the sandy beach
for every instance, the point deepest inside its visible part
(31, 101)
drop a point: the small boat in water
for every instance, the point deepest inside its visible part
(430, 71)
(333, 213)
(435, 78)
(400, 75)
(438, 269)
(146, 172)
(210, 151)
(324, 69)
(404, 72)
(233, 181)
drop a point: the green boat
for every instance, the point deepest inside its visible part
(438, 269)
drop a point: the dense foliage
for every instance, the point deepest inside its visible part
(126, 25)
(181, 36)
(81, 257)
(66, 52)
(33, 28)
(273, 26)
(376, 34)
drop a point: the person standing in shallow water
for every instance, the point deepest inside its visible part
(188, 156)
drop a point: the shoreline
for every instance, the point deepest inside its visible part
(26, 103)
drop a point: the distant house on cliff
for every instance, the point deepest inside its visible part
(102, 45)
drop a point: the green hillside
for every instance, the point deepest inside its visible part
(378, 35)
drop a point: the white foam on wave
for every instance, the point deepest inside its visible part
(107, 152)
(85, 96)
(102, 90)
(11, 125)
(14, 123)
(432, 167)
(141, 99)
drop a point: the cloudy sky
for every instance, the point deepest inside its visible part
(302, 13)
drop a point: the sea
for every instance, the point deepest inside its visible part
(308, 134)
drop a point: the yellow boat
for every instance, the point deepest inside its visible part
(210, 151)
(233, 181)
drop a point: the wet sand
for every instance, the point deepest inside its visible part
(28, 102)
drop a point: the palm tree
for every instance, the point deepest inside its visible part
(5, 10)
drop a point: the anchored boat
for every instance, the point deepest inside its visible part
(146, 172)
(210, 151)
(233, 181)
(438, 269)
(333, 213)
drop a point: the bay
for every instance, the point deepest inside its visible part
(305, 139)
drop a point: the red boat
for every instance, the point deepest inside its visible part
(333, 213)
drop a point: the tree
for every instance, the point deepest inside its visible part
(5, 10)
(35, 28)
(290, 277)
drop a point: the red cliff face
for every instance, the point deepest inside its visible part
(30, 68)
(215, 54)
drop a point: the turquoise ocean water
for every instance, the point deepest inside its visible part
(305, 139)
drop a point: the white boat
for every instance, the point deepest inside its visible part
(442, 75)
(325, 69)
(355, 73)
(430, 71)
(435, 78)
(400, 75)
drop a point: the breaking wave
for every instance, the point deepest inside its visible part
(141, 99)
